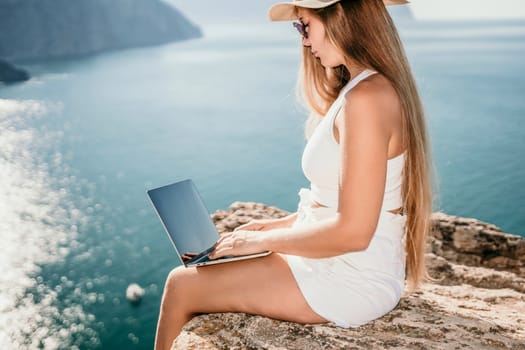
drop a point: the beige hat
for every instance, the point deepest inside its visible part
(285, 11)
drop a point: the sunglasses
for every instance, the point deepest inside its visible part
(301, 28)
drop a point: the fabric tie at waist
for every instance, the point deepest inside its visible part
(308, 214)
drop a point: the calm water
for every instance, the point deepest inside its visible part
(82, 141)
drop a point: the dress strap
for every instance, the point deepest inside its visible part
(356, 80)
(338, 103)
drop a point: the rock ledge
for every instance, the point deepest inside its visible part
(476, 300)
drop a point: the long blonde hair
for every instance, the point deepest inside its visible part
(364, 31)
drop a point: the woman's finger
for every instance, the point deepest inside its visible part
(220, 251)
(225, 246)
(223, 237)
(249, 226)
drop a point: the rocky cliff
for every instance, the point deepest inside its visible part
(42, 29)
(11, 74)
(476, 299)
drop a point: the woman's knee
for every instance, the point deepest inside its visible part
(175, 298)
(177, 285)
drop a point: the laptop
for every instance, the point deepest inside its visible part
(188, 224)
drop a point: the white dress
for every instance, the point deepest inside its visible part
(354, 288)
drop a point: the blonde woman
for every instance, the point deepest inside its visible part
(360, 228)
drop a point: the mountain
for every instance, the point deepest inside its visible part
(11, 74)
(43, 29)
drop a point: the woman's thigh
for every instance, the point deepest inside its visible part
(263, 286)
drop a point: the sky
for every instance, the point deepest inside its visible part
(255, 10)
(468, 9)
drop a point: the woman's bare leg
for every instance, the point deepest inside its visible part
(262, 286)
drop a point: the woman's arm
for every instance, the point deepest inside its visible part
(364, 134)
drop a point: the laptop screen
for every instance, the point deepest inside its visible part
(184, 216)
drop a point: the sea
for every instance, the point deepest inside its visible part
(84, 139)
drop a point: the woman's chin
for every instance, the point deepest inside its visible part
(328, 63)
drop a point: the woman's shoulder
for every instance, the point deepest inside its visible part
(373, 104)
(373, 97)
(375, 87)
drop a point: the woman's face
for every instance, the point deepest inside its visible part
(317, 40)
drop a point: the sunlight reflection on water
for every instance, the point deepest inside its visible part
(38, 225)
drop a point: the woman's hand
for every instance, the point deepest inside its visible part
(257, 225)
(267, 224)
(238, 243)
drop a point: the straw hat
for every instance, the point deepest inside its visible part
(285, 11)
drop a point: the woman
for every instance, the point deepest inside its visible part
(341, 257)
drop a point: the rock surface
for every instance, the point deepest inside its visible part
(476, 299)
(42, 29)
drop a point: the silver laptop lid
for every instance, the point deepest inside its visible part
(184, 216)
